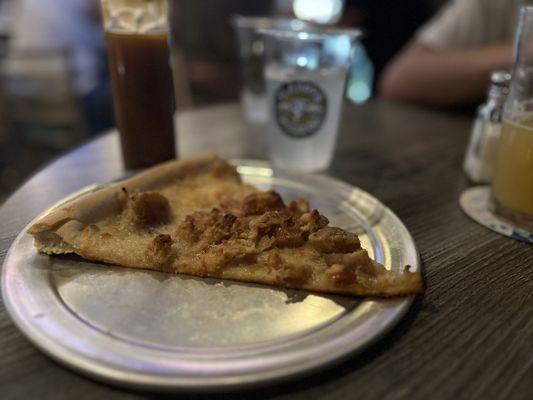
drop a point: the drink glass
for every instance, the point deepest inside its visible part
(305, 76)
(137, 43)
(512, 186)
(252, 54)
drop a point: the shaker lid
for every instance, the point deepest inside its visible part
(500, 78)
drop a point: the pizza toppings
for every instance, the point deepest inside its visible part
(293, 274)
(149, 209)
(351, 260)
(262, 219)
(235, 251)
(341, 275)
(260, 203)
(161, 252)
(161, 244)
(312, 221)
(207, 228)
(262, 224)
(276, 228)
(334, 240)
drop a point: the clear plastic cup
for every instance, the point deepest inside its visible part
(305, 76)
(252, 54)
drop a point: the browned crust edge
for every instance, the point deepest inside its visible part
(101, 203)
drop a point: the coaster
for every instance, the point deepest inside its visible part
(475, 203)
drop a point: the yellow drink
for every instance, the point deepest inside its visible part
(512, 186)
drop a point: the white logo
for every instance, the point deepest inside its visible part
(300, 108)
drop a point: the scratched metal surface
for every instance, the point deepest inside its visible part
(154, 330)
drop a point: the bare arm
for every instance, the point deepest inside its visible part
(420, 74)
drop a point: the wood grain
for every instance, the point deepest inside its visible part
(470, 336)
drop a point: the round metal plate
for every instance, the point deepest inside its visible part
(170, 332)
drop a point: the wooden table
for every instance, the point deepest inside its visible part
(470, 336)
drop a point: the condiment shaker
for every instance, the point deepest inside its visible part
(481, 151)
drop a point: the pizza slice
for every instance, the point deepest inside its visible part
(196, 217)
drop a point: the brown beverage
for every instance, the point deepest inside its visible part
(142, 96)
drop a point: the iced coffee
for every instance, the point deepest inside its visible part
(143, 98)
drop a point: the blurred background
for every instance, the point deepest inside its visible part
(55, 90)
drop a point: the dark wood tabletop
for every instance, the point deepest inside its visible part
(469, 336)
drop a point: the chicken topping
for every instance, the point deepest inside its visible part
(260, 218)
(149, 209)
(341, 275)
(160, 251)
(334, 240)
(259, 203)
(356, 263)
(239, 231)
(287, 273)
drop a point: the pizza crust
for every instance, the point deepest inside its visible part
(59, 232)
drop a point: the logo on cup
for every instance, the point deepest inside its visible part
(300, 108)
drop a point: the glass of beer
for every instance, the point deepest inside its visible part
(512, 186)
(143, 98)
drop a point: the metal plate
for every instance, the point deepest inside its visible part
(169, 332)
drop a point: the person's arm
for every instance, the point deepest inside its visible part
(442, 77)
